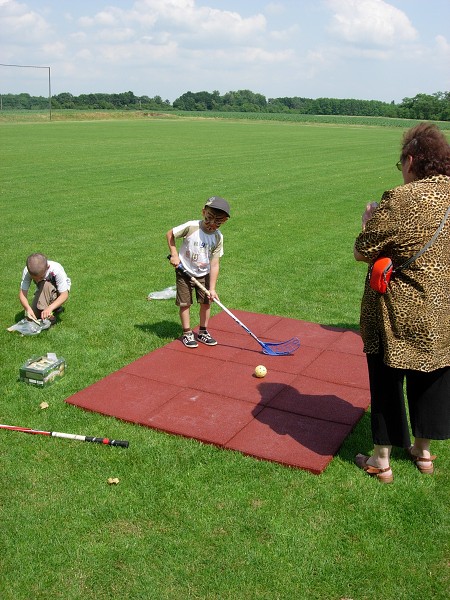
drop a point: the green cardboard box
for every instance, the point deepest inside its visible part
(42, 370)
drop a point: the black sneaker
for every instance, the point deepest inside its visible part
(205, 338)
(188, 340)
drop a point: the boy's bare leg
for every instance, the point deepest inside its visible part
(185, 318)
(205, 312)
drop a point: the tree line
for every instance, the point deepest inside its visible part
(434, 107)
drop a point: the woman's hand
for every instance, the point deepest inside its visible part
(370, 208)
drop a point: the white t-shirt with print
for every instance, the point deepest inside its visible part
(198, 247)
(55, 273)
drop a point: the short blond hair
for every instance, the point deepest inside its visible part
(37, 264)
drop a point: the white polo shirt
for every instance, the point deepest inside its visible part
(198, 247)
(55, 273)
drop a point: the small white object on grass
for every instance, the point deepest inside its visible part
(166, 294)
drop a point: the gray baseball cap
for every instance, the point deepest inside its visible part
(219, 203)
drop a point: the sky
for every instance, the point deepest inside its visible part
(384, 50)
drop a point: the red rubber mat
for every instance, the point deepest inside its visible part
(298, 415)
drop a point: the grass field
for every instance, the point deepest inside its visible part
(187, 520)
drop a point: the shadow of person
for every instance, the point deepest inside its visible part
(353, 327)
(19, 316)
(162, 329)
(319, 422)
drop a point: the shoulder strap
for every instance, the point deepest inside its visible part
(427, 245)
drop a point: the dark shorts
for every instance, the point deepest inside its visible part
(185, 287)
(428, 400)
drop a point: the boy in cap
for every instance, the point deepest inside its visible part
(52, 287)
(199, 254)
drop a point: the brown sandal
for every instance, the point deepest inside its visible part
(383, 475)
(424, 469)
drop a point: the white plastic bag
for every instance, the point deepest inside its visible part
(26, 327)
(166, 294)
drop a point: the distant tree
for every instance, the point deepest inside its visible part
(185, 102)
(434, 107)
(423, 106)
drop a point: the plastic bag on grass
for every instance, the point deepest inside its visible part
(26, 327)
(165, 294)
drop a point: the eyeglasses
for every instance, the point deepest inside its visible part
(399, 165)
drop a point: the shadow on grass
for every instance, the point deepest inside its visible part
(163, 329)
(352, 326)
(360, 441)
(19, 316)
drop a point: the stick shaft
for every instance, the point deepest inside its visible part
(69, 436)
(274, 349)
(224, 308)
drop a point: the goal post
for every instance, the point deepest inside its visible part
(49, 81)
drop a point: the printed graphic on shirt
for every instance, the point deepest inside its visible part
(198, 247)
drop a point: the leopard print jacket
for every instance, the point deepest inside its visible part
(410, 323)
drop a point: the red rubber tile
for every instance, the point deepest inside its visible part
(322, 400)
(172, 367)
(233, 380)
(349, 341)
(298, 415)
(203, 416)
(339, 367)
(309, 334)
(124, 396)
(290, 439)
(257, 323)
(293, 363)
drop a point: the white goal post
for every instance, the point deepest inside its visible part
(49, 81)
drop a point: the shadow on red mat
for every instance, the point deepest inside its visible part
(298, 415)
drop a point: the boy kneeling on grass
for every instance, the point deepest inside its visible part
(52, 288)
(199, 254)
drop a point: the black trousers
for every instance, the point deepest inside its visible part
(428, 400)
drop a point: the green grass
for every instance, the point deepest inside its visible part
(189, 520)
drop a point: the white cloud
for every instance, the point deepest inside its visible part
(116, 35)
(54, 49)
(180, 17)
(275, 8)
(79, 37)
(370, 23)
(19, 23)
(443, 46)
(283, 35)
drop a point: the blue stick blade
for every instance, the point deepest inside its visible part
(281, 348)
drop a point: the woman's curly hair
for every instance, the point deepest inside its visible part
(429, 148)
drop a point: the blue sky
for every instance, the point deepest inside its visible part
(366, 49)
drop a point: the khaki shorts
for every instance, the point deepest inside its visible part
(45, 294)
(185, 288)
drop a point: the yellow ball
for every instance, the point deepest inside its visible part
(260, 371)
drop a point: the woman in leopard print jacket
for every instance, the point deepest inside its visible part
(406, 331)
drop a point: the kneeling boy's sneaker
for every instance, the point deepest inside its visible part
(205, 338)
(188, 340)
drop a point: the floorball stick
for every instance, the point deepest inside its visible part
(273, 348)
(69, 436)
